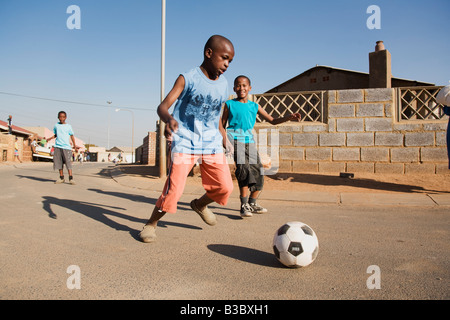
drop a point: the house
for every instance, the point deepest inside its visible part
(7, 142)
(120, 154)
(330, 78)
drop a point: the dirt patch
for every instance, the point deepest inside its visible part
(330, 182)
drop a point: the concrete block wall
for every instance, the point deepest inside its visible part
(360, 134)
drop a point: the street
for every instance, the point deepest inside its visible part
(81, 242)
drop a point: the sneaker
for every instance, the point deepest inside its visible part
(59, 181)
(246, 211)
(148, 234)
(205, 214)
(256, 208)
(71, 181)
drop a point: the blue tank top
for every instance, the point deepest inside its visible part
(241, 120)
(197, 112)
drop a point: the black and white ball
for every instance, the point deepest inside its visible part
(295, 244)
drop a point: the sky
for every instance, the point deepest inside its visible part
(115, 55)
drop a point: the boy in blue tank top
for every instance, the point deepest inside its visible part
(196, 133)
(240, 113)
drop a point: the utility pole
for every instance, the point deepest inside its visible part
(162, 140)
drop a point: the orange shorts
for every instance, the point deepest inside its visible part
(216, 179)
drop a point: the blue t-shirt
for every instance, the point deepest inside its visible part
(63, 133)
(197, 112)
(241, 120)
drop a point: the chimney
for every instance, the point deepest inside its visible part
(380, 67)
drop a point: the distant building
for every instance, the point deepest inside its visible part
(120, 154)
(146, 153)
(7, 140)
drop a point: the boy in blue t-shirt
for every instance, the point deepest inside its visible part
(63, 150)
(197, 135)
(240, 113)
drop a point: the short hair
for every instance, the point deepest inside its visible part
(242, 76)
(62, 112)
(214, 41)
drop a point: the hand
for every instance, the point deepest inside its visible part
(295, 117)
(170, 128)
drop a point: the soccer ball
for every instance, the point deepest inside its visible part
(295, 244)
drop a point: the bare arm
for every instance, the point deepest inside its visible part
(74, 144)
(223, 125)
(275, 121)
(163, 108)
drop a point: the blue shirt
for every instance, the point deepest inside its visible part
(197, 112)
(63, 133)
(241, 120)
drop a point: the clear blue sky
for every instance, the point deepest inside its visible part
(115, 56)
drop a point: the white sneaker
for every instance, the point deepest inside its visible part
(256, 208)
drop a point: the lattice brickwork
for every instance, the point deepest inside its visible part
(308, 104)
(418, 103)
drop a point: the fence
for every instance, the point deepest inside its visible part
(360, 130)
(418, 103)
(309, 104)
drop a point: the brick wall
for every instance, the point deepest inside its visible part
(149, 149)
(360, 134)
(7, 142)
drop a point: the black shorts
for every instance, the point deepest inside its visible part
(249, 170)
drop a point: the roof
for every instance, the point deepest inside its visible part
(4, 126)
(120, 149)
(346, 71)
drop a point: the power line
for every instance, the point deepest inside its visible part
(73, 102)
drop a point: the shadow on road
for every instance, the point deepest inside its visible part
(101, 213)
(128, 196)
(35, 178)
(246, 254)
(330, 180)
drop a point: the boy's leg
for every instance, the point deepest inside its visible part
(175, 182)
(256, 208)
(172, 191)
(61, 174)
(68, 162)
(58, 164)
(202, 202)
(216, 178)
(157, 214)
(148, 233)
(245, 209)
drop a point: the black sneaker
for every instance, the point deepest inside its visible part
(256, 208)
(246, 211)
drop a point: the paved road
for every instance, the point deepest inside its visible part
(94, 225)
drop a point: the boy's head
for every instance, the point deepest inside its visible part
(62, 116)
(217, 55)
(242, 86)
